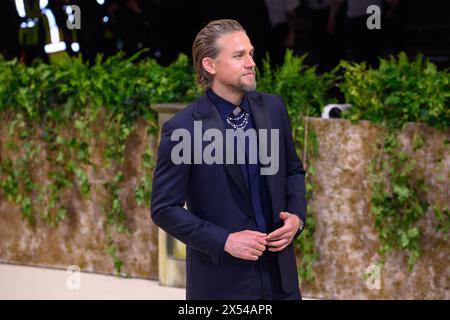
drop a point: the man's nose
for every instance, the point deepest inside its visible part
(250, 63)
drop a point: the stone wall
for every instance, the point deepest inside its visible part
(345, 238)
(80, 239)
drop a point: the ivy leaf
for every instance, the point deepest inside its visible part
(401, 191)
(413, 232)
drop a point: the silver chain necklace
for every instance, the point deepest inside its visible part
(233, 122)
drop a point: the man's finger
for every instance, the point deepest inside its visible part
(278, 249)
(261, 241)
(284, 215)
(251, 257)
(279, 243)
(277, 233)
(259, 247)
(285, 235)
(255, 252)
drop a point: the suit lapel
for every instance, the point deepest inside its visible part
(261, 120)
(207, 113)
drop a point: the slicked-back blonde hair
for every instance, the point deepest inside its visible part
(205, 46)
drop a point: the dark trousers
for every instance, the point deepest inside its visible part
(271, 289)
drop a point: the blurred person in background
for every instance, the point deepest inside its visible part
(283, 22)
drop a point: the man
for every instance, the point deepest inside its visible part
(239, 225)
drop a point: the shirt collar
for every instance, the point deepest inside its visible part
(224, 106)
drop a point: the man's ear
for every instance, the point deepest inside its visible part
(209, 65)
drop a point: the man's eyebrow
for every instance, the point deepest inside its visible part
(243, 50)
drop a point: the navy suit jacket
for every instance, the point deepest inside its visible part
(218, 202)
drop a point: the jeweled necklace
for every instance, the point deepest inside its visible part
(238, 121)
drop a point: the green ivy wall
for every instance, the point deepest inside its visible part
(78, 145)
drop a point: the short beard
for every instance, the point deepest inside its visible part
(251, 87)
(242, 87)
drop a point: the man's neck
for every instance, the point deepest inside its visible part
(231, 96)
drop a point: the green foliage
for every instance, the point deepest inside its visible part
(306, 246)
(398, 92)
(120, 85)
(394, 94)
(397, 201)
(175, 83)
(443, 219)
(143, 191)
(112, 251)
(303, 91)
(41, 102)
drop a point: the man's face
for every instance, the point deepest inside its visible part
(234, 65)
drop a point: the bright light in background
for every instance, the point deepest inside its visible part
(69, 12)
(56, 44)
(105, 19)
(43, 3)
(100, 2)
(75, 47)
(30, 23)
(54, 31)
(20, 6)
(55, 47)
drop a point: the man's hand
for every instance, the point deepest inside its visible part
(247, 244)
(280, 238)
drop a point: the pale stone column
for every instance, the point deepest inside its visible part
(171, 252)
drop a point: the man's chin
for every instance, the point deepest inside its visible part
(249, 86)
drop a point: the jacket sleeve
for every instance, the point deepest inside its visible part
(295, 174)
(170, 182)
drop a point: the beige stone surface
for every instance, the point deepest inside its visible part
(80, 239)
(29, 283)
(345, 238)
